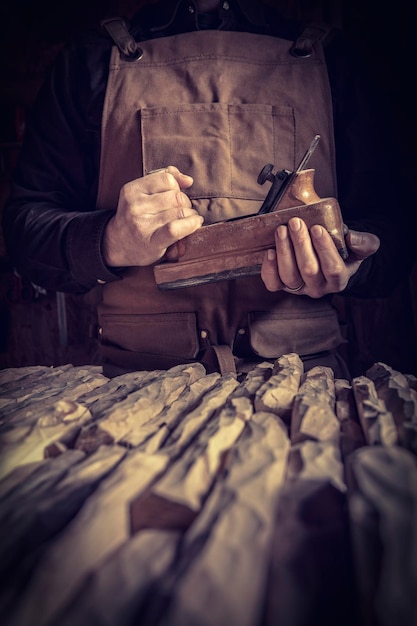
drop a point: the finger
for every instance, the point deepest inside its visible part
(167, 178)
(332, 266)
(164, 206)
(176, 250)
(306, 258)
(172, 232)
(141, 190)
(286, 259)
(173, 199)
(158, 219)
(183, 180)
(269, 271)
(362, 244)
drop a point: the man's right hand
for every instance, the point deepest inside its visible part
(152, 214)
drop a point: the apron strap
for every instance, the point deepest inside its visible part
(219, 359)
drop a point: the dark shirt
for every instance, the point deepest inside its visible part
(52, 231)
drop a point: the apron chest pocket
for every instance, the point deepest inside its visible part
(222, 146)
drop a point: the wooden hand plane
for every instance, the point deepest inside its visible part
(236, 248)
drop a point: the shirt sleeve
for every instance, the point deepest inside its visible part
(51, 227)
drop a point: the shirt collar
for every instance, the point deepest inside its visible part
(183, 15)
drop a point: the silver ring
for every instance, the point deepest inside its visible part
(293, 290)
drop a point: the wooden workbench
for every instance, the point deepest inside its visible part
(182, 498)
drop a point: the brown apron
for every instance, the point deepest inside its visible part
(217, 105)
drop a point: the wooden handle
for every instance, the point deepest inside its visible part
(300, 191)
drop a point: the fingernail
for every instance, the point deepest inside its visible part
(282, 232)
(355, 238)
(270, 255)
(317, 231)
(295, 224)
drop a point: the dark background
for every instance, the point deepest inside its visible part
(40, 328)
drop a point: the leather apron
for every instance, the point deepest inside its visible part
(217, 105)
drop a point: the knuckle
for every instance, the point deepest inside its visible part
(316, 293)
(291, 282)
(339, 283)
(169, 180)
(310, 270)
(268, 274)
(170, 229)
(336, 272)
(272, 287)
(270, 282)
(181, 212)
(269, 279)
(130, 196)
(178, 200)
(182, 200)
(126, 193)
(333, 274)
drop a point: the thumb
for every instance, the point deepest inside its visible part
(184, 180)
(362, 244)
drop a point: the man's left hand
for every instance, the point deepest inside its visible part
(306, 262)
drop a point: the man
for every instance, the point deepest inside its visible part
(135, 145)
